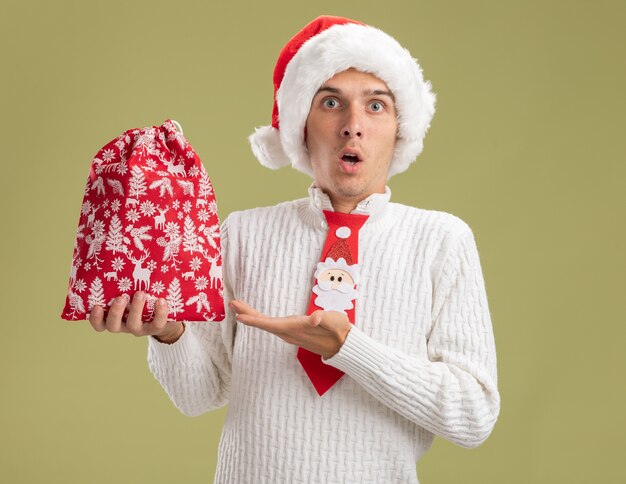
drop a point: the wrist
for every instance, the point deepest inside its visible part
(342, 340)
(347, 329)
(173, 334)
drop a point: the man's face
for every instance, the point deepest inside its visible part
(351, 132)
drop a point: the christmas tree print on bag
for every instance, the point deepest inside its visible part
(148, 222)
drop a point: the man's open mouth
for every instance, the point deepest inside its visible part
(351, 158)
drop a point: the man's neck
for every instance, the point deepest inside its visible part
(374, 205)
(348, 205)
(343, 206)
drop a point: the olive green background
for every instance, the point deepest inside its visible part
(527, 146)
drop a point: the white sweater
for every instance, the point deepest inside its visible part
(420, 360)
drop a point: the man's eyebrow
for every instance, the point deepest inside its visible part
(328, 89)
(372, 92)
(380, 92)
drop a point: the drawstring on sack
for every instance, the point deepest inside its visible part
(178, 126)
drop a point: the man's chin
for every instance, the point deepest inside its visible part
(349, 189)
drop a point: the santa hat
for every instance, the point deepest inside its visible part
(339, 256)
(323, 48)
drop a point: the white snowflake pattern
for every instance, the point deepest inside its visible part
(78, 262)
(124, 284)
(201, 283)
(87, 266)
(164, 268)
(212, 207)
(98, 227)
(147, 208)
(151, 265)
(108, 154)
(172, 230)
(105, 204)
(86, 208)
(176, 204)
(189, 154)
(187, 206)
(132, 215)
(122, 167)
(115, 205)
(80, 285)
(203, 215)
(195, 263)
(107, 214)
(151, 163)
(180, 215)
(157, 287)
(118, 263)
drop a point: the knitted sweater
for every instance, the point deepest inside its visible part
(419, 361)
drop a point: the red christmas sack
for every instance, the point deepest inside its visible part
(148, 223)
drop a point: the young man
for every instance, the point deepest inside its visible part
(341, 369)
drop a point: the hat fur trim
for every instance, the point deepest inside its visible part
(267, 147)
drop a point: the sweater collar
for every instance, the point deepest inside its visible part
(375, 206)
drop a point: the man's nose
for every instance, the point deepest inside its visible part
(352, 125)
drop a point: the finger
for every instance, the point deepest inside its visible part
(157, 325)
(240, 307)
(246, 314)
(114, 316)
(279, 326)
(96, 318)
(261, 322)
(133, 321)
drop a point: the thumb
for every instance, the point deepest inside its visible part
(316, 318)
(333, 319)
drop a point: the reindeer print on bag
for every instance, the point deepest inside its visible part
(148, 222)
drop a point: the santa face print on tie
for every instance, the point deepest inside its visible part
(335, 288)
(337, 275)
(336, 285)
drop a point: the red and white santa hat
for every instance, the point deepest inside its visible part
(339, 256)
(326, 46)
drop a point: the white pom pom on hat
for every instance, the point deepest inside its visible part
(324, 47)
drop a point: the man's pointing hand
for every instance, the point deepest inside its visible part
(322, 332)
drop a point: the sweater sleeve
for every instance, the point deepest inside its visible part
(451, 390)
(195, 371)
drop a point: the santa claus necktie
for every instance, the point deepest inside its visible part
(336, 278)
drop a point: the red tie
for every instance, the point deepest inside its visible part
(336, 278)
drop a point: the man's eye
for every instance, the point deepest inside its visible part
(376, 106)
(330, 103)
